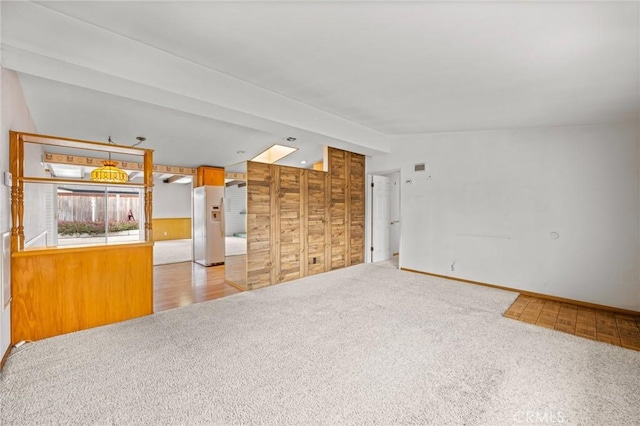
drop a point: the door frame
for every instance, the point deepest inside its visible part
(369, 212)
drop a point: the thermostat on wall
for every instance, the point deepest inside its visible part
(8, 179)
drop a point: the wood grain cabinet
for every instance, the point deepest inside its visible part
(207, 175)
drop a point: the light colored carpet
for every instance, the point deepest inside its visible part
(172, 251)
(234, 246)
(365, 345)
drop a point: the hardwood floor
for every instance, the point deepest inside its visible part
(181, 284)
(604, 326)
(237, 270)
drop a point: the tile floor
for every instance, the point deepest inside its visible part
(604, 326)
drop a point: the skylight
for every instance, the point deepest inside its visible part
(273, 154)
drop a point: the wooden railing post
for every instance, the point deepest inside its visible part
(148, 195)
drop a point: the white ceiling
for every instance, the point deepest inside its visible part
(343, 73)
(177, 138)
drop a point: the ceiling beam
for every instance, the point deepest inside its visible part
(134, 175)
(41, 66)
(240, 183)
(173, 179)
(198, 90)
(80, 144)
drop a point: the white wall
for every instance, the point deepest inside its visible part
(490, 201)
(15, 116)
(171, 200)
(36, 214)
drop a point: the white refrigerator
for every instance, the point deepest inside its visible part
(208, 225)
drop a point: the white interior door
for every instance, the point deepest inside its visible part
(394, 239)
(381, 218)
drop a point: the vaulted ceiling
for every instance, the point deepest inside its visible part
(207, 79)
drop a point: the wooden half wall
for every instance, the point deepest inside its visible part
(57, 291)
(171, 228)
(303, 222)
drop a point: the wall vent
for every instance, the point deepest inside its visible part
(419, 167)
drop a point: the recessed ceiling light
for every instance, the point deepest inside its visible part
(303, 162)
(273, 154)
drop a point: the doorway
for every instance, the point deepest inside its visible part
(172, 219)
(385, 217)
